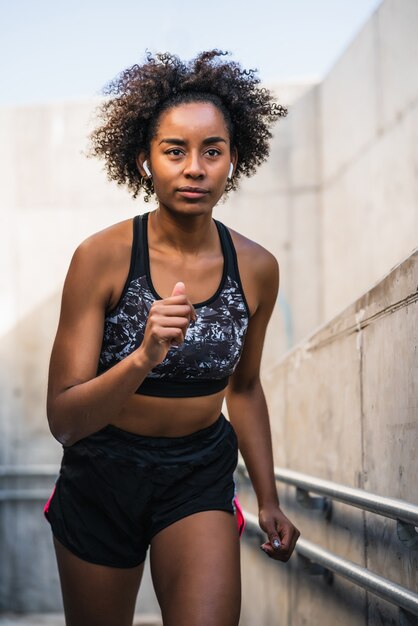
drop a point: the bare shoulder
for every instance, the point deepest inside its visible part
(258, 268)
(100, 263)
(250, 251)
(107, 246)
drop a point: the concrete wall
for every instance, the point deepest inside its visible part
(338, 199)
(337, 202)
(369, 180)
(344, 403)
(279, 207)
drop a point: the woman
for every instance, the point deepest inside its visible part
(150, 341)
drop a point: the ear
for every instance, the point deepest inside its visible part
(142, 156)
(234, 158)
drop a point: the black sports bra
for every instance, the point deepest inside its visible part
(202, 364)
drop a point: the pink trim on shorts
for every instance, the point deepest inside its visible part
(46, 507)
(239, 515)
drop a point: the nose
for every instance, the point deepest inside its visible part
(193, 166)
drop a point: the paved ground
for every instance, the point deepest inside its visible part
(56, 619)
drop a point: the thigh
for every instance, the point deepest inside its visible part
(96, 595)
(195, 566)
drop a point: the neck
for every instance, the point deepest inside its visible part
(186, 234)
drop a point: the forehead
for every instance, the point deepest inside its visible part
(192, 118)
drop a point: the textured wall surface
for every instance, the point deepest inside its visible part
(369, 155)
(344, 407)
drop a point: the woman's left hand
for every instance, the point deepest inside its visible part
(279, 529)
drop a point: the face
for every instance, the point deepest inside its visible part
(190, 158)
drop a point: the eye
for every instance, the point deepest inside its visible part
(174, 151)
(213, 152)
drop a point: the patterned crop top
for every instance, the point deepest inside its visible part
(202, 364)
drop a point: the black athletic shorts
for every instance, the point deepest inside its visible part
(116, 489)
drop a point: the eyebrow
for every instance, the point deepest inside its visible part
(181, 142)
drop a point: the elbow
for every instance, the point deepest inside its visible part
(60, 434)
(244, 386)
(59, 430)
(63, 438)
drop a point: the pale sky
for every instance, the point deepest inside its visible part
(55, 50)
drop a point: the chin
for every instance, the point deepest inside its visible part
(192, 207)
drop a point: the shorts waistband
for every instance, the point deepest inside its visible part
(133, 439)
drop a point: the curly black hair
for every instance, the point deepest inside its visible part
(139, 94)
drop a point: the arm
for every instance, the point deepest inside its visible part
(79, 402)
(247, 410)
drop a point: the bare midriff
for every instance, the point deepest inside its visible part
(169, 417)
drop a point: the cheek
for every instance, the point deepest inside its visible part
(163, 179)
(163, 183)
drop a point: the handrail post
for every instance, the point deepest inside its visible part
(315, 569)
(406, 618)
(319, 503)
(318, 560)
(407, 534)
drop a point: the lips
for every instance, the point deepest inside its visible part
(192, 193)
(194, 189)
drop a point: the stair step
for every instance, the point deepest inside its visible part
(32, 619)
(147, 620)
(57, 619)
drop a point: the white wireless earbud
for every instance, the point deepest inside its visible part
(146, 168)
(231, 169)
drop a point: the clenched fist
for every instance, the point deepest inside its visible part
(167, 324)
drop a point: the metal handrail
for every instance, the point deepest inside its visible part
(389, 507)
(386, 589)
(28, 470)
(381, 505)
(24, 494)
(33, 494)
